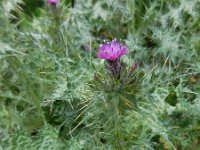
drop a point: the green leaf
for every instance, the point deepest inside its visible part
(171, 98)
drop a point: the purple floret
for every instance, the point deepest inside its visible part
(53, 2)
(111, 50)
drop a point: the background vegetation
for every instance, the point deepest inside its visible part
(48, 65)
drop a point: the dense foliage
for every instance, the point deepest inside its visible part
(56, 94)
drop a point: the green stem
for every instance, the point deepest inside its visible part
(117, 125)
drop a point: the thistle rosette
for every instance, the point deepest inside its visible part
(111, 52)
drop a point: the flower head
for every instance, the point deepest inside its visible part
(111, 50)
(53, 2)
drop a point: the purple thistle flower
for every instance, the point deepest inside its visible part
(111, 50)
(53, 2)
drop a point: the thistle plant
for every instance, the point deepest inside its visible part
(119, 86)
(54, 16)
(49, 99)
(55, 29)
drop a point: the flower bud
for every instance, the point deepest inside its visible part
(133, 68)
